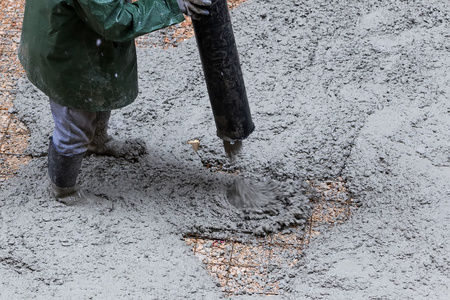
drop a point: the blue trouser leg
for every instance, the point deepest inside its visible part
(74, 129)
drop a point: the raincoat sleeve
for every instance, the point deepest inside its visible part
(119, 21)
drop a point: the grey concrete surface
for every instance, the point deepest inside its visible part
(356, 89)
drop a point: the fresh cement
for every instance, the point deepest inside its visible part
(351, 89)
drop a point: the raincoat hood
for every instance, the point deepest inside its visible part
(81, 53)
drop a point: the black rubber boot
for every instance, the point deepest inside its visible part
(104, 144)
(62, 169)
(63, 172)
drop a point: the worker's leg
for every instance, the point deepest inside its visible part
(104, 144)
(74, 130)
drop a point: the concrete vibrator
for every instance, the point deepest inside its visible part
(223, 76)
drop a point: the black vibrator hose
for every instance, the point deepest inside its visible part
(223, 75)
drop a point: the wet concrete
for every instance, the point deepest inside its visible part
(350, 89)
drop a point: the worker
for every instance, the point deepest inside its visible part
(82, 55)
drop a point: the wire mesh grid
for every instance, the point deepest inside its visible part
(249, 266)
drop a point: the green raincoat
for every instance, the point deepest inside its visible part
(81, 53)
